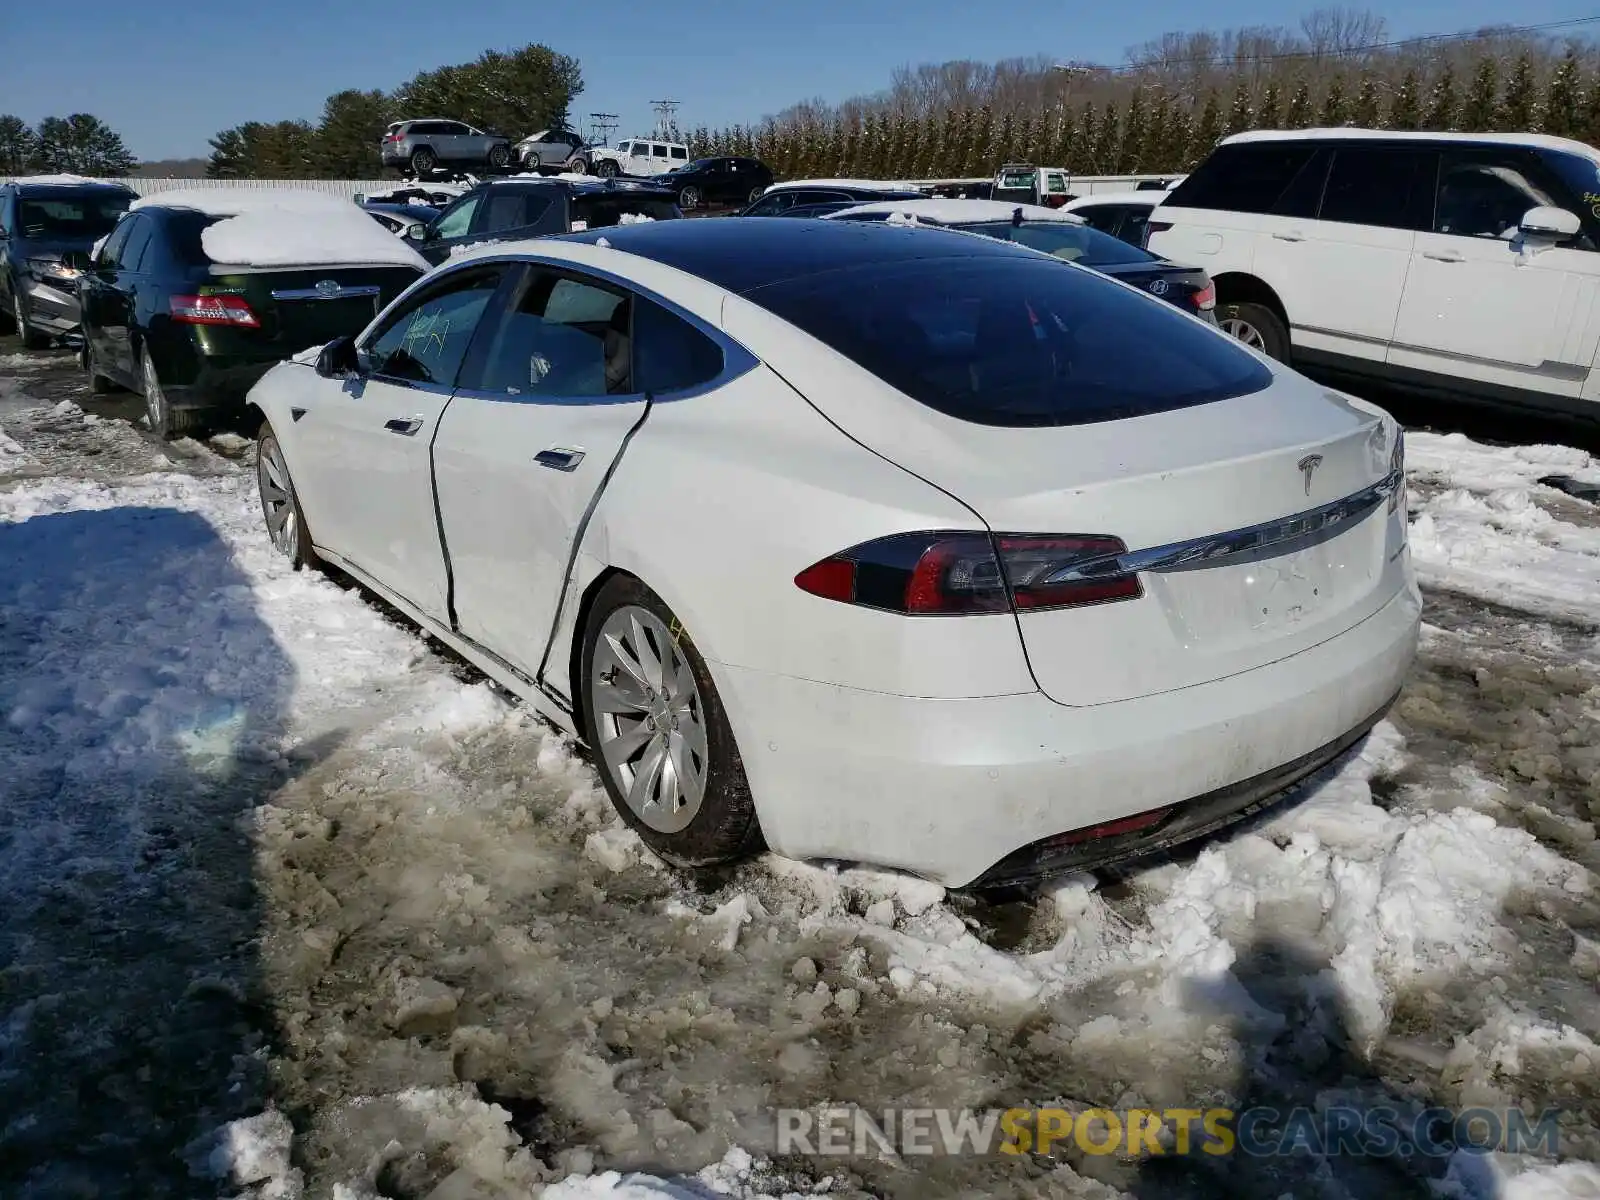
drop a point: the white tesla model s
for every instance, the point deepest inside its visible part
(878, 544)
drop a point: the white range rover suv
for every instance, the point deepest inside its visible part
(1466, 264)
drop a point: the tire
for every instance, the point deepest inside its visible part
(692, 823)
(576, 166)
(1256, 326)
(280, 505)
(607, 169)
(756, 193)
(165, 421)
(499, 157)
(423, 160)
(31, 339)
(689, 199)
(99, 385)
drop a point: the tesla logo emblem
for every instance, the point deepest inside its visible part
(328, 287)
(1308, 467)
(1158, 287)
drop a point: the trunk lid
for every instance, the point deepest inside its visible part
(303, 307)
(1217, 483)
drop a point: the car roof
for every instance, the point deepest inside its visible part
(65, 183)
(742, 255)
(1541, 141)
(1149, 196)
(961, 212)
(856, 185)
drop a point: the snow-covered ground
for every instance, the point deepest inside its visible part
(291, 904)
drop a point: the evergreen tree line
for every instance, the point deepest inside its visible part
(514, 94)
(1142, 121)
(80, 144)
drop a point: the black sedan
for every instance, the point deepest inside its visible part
(706, 182)
(397, 218)
(1055, 233)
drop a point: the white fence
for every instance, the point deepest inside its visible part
(1081, 185)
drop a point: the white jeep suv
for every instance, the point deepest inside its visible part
(1466, 264)
(638, 156)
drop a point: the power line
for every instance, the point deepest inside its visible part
(1342, 52)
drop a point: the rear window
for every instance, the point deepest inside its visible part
(1016, 341)
(83, 216)
(183, 237)
(1247, 177)
(1086, 246)
(601, 212)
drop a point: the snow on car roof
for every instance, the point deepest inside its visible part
(959, 212)
(67, 181)
(877, 185)
(1540, 140)
(1149, 196)
(287, 227)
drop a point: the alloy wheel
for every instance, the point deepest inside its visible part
(155, 400)
(1246, 333)
(689, 198)
(651, 731)
(277, 497)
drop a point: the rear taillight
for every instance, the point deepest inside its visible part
(1157, 227)
(1206, 298)
(934, 574)
(212, 310)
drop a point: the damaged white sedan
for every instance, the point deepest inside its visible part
(865, 543)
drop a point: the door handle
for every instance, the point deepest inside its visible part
(559, 458)
(403, 425)
(1290, 235)
(1443, 255)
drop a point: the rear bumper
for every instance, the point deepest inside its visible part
(953, 790)
(217, 386)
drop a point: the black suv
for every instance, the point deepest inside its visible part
(711, 181)
(513, 209)
(47, 231)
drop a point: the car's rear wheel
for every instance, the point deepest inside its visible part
(499, 157)
(756, 193)
(165, 421)
(423, 160)
(607, 169)
(286, 524)
(660, 737)
(1257, 326)
(689, 199)
(577, 166)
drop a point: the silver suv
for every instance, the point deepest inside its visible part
(427, 143)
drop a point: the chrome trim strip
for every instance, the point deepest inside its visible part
(1269, 539)
(311, 293)
(1549, 368)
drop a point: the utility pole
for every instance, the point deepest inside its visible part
(666, 119)
(601, 126)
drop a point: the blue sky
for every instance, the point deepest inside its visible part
(168, 77)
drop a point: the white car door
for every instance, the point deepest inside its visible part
(1341, 267)
(524, 452)
(366, 444)
(1484, 303)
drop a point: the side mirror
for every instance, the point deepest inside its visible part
(338, 358)
(1549, 224)
(416, 232)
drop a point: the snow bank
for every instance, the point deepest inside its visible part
(285, 227)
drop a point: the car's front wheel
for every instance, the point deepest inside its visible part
(286, 524)
(660, 738)
(756, 193)
(499, 157)
(1257, 326)
(689, 199)
(31, 339)
(607, 169)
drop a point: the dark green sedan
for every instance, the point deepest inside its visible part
(190, 307)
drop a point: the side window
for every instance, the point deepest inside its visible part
(453, 129)
(507, 210)
(624, 147)
(426, 342)
(1376, 186)
(457, 219)
(1246, 177)
(565, 339)
(680, 153)
(1135, 225)
(1484, 193)
(110, 253)
(769, 206)
(5, 214)
(669, 354)
(133, 249)
(658, 151)
(1103, 217)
